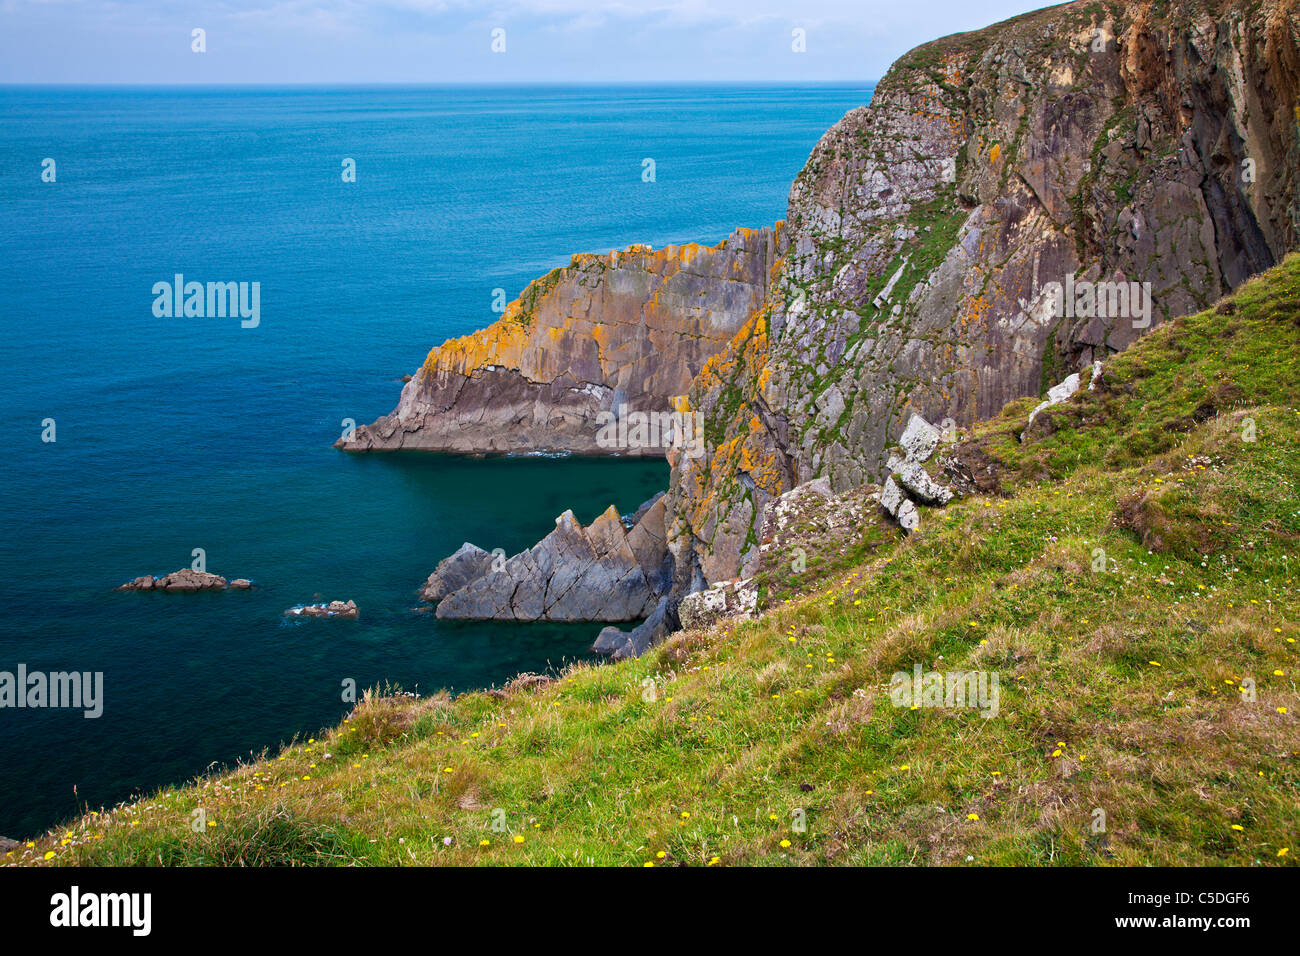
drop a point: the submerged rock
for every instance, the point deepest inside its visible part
(345, 609)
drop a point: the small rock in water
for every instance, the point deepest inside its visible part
(185, 579)
(347, 609)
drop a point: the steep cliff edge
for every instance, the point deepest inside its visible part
(1014, 204)
(1090, 145)
(626, 331)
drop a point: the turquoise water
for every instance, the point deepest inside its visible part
(176, 434)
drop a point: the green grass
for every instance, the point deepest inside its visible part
(775, 742)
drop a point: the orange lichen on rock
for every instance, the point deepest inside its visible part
(501, 343)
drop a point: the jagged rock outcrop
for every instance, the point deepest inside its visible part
(918, 442)
(1097, 142)
(603, 572)
(468, 563)
(626, 331)
(909, 484)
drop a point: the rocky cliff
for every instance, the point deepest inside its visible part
(1014, 204)
(1090, 145)
(615, 333)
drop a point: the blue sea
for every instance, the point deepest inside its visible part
(174, 434)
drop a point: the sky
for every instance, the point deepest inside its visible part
(451, 41)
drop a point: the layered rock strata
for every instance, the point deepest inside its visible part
(616, 333)
(606, 571)
(933, 236)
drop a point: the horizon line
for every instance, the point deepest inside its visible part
(435, 84)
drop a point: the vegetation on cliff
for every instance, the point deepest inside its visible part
(1108, 141)
(1131, 580)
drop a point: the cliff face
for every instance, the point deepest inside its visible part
(1014, 204)
(1090, 143)
(628, 329)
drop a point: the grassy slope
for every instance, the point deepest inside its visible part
(1120, 689)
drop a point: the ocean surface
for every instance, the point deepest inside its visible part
(173, 434)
